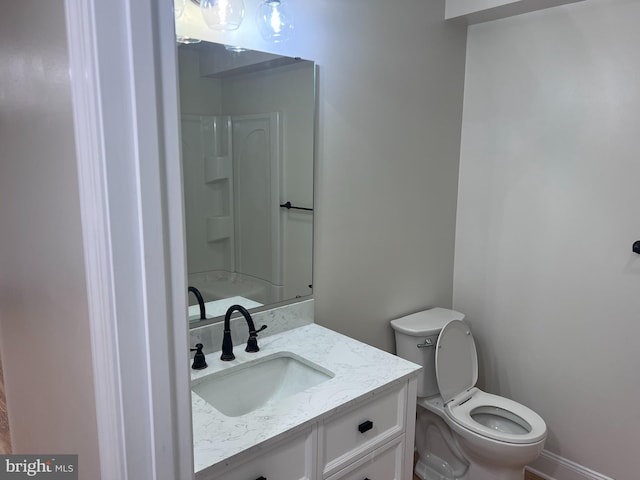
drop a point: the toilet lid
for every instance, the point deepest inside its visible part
(456, 360)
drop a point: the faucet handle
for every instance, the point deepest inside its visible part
(252, 343)
(199, 361)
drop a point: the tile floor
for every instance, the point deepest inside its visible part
(527, 476)
(531, 476)
(5, 444)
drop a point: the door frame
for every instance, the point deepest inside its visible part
(122, 58)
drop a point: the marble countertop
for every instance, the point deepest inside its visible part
(360, 371)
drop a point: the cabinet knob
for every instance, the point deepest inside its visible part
(365, 426)
(261, 478)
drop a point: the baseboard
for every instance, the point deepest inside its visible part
(550, 466)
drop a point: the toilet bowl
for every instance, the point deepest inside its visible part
(482, 436)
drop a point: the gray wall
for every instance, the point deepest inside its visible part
(548, 211)
(391, 82)
(44, 329)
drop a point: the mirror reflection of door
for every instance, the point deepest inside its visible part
(247, 148)
(256, 200)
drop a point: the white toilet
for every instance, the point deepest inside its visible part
(462, 433)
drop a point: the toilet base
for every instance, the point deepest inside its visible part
(439, 455)
(434, 468)
(443, 454)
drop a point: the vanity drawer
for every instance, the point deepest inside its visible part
(348, 436)
(291, 459)
(385, 463)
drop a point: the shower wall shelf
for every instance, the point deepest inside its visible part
(217, 168)
(219, 228)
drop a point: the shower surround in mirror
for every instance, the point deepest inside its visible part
(247, 147)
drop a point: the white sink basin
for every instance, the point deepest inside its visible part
(242, 389)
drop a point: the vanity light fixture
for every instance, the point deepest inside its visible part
(178, 7)
(178, 10)
(275, 22)
(222, 14)
(187, 40)
(234, 49)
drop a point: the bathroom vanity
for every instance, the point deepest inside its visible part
(311, 404)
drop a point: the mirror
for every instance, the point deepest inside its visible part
(247, 129)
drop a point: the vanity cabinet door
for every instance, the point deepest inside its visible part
(292, 459)
(384, 463)
(346, 437)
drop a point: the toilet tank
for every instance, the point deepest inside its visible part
(422, 328)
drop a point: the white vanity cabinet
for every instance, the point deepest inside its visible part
(350, 434)
(292, 458)
(358, 423)
(369, 439)
(384, 463)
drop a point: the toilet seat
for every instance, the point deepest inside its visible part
(502, 419)
(456, 360)
(496, 417)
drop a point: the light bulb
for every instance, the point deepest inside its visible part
(222, 14)
(187, 40)
(178, 7)
(275, 23)
(234, 49)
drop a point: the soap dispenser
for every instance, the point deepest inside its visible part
(199, 361)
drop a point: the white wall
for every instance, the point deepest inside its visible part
(547, 213)
(44, 328)
(198, 95)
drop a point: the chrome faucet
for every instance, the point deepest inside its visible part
(198, 295)
(227, 343)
